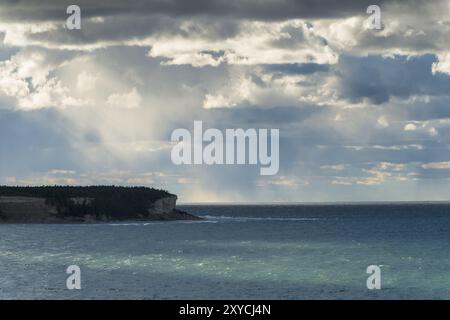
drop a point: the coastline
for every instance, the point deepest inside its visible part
(68, 205)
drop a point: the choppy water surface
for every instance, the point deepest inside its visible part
(239, 252)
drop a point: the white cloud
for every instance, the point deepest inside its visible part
(51, 94)
(382, 121)
(218, 101)
(443, 65)
(256, 43)
(26, 77)
(282, 181)
(130, 100)
(433, 132)
(437, 165)
(388, 166)
(410, 127)
(378, 174)
(337, 167)
(86, 81)
(62, 172)
(387, 147)
(18, 34)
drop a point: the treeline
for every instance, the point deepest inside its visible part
(110, 201)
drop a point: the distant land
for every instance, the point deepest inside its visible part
(70, 204)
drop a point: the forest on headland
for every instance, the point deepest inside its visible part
(109, 201)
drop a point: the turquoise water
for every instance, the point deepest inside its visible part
(238, 252)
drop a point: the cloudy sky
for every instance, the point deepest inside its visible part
(363, 114)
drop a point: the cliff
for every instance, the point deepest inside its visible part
(87, 204)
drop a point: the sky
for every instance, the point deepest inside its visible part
(363, 114)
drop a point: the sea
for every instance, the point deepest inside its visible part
(304, 251)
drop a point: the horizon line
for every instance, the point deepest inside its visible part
(320, 202)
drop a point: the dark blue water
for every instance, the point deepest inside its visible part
(238, 252)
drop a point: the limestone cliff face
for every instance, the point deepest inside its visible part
(165, 209)
(37, 210)
(163, 205)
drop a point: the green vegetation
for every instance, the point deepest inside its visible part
(110, 201)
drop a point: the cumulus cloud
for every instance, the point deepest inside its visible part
(443, 63)
(129, 100)
(410, 127)
(437, 165)
(86, 81)
(27, 77)
(376, 175)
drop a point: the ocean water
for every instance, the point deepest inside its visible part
(238, 252)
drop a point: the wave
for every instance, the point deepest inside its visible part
(208, 219)
(129, 224)
(196, 221)
(243, 219)
(158, 222)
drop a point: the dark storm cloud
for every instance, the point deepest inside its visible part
(249, 9)
(378, 79)
(214, 19)
(436, 108)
